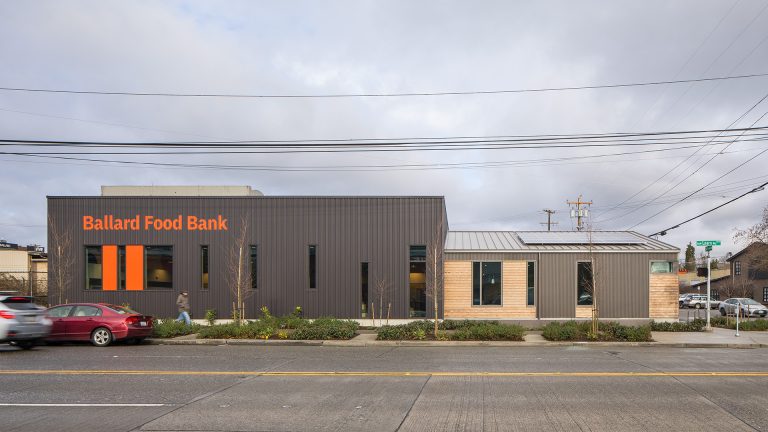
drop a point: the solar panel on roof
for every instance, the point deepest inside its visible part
(580, 237)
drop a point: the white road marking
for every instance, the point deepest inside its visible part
(70, 405)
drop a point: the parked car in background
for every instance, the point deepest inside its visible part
(681, 298)
(99, 323)
(749, 307)
(22, 322)
(699, 301)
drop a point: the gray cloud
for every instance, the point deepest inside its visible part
(343, 47)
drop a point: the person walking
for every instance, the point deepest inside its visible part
(182, 301)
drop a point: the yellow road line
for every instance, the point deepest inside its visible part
(384, 374)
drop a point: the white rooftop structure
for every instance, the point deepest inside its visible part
(187, 191)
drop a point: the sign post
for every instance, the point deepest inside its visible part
(708, 247)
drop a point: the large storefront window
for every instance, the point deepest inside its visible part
(584, 284)
(93, 266)
(486, 283)
(417, 278)
(159, 267)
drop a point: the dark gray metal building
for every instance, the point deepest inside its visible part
(325, 254)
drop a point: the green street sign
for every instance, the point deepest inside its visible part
(708, 248)
(707, 242)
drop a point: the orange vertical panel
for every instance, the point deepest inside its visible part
(109, 267)
(134, 267)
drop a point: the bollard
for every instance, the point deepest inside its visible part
(738, 312)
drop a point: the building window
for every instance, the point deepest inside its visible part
(313, 266)
(737, 267)
(486, 283)
(93, 266)
(715, 294)
(254, 266)
(121, 267)
(204, 267)
(765, 295)
(661, 267)
(159, 266)
(531, 285)
(584, 284)
(364, 290)
(417, 282)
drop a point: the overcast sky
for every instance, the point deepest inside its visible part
(312, 47)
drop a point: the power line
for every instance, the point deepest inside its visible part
(355, 95)
(678, 165)
(401, 167)
(713, 181)
(419, 141)
(757, 189)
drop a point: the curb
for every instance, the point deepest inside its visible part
(353, 343)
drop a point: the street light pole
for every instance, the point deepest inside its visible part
(709, 280)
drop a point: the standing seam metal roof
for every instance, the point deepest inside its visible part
(510, 241)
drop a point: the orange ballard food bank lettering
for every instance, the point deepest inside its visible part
(154, 223)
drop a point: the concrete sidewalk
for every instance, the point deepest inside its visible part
(717, 338)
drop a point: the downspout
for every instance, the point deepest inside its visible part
(537, 285)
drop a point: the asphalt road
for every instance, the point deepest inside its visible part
(283, 388)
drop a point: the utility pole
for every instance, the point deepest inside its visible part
(579, 212)
(549, 222)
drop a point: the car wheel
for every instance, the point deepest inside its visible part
(697, 306)
(722, 312)
(101, 337)
(26, 344)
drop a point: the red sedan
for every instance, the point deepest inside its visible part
(99, 323)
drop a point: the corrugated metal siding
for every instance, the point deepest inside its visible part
(622, 280)
(346, 230)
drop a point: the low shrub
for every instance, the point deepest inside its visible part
(696, 325)
(247, 330)
(325, 329)
(489, 332)
(455, 325)
(411, 331)
(169, 328)
(210, 316)
(461, 330)
(759, 324)
(607, 331)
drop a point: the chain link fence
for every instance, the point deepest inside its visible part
(26, 282)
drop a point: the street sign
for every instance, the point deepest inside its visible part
(707, 242)
(708, 248)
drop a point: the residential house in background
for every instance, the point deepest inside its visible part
(749, 273)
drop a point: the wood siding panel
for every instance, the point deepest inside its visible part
(663, 294)
(458, 292)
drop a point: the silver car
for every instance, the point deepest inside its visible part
(699, 301)
(22, 322)
(749, 307)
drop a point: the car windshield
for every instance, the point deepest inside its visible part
(123, 310)
(749, 301)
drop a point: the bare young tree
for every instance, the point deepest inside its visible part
(63, 260)
(591, 281)
(737, 288)
(238, 272)
(434, 289)
(381, 290)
